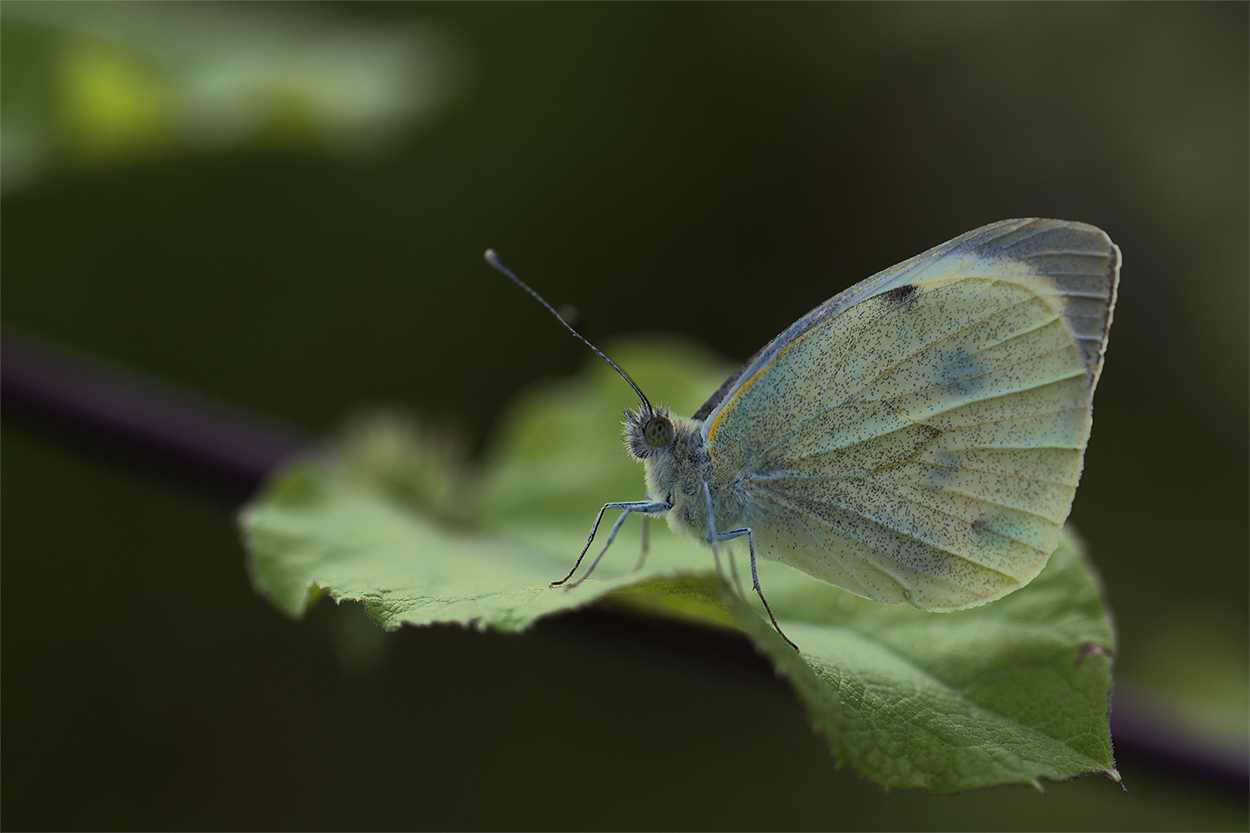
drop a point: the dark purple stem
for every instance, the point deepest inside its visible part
(144, 417)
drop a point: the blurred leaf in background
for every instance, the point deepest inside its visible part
(89, 85)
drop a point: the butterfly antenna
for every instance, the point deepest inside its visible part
(493, 259)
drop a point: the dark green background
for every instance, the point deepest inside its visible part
(710, 170)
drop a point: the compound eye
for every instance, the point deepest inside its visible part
(658, 431)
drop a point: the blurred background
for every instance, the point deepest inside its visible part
(284, 207)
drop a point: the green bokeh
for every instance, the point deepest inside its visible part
(176, 205)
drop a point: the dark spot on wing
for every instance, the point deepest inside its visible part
(899, 295)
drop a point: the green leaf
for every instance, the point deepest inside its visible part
(1013, 692)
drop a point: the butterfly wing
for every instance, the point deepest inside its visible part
(919, 437)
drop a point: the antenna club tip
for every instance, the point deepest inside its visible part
(492, 257)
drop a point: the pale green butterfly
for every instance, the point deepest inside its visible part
(916, 438)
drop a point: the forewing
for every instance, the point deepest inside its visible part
(920, 436)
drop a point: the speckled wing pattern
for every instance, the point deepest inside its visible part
(919, 437)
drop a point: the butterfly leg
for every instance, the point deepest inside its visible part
(633, 506)
(712, 535)
(646, 542)
(755, 577)
(713, 538)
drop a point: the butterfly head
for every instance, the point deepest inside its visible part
(648, 431)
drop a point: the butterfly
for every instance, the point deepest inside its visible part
(917, 438)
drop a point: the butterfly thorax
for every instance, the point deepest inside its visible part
(678, 463)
